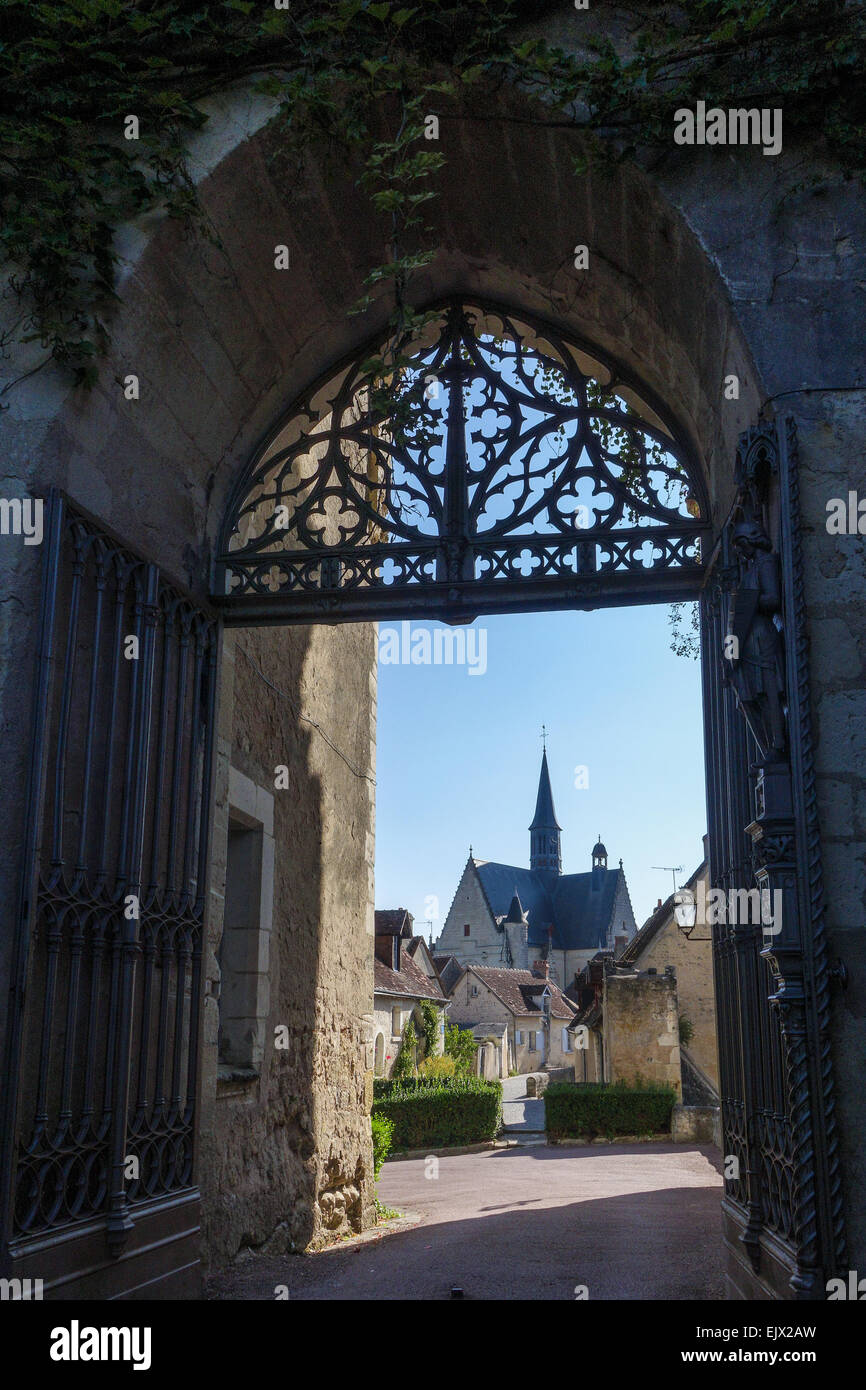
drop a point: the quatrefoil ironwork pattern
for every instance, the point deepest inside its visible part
(496, 463)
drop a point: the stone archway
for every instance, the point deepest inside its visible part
(222, 343)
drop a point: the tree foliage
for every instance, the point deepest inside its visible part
(461, 1045)
(356, 76)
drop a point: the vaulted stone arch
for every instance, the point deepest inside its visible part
(692, 281)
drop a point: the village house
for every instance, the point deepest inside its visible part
(404, 979)
(639, 1003)
(663, 944)
(527, 1003)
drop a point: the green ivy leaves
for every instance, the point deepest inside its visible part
(72, 70)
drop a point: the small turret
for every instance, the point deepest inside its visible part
(599, 864)
(516, 930)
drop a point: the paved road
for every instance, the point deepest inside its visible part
(627, 1221)
(520, 1113)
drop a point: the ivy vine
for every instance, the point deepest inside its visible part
(359, 76)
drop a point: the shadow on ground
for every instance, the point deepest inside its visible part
(505, 1225)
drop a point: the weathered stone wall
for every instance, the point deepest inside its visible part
(696, 1124)
(286, 1152)
(640, 1029)
(692, 960)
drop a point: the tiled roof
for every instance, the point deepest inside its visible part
(516, 988)
(410, 981)
(579, 915)
(393, 921)
(589, 1017)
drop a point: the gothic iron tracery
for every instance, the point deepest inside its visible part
(496, 459)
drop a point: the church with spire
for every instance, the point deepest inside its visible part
(504, 915)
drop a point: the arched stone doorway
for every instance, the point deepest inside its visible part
(218, 368)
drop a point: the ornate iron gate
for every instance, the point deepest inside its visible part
(493, 465)
(782, 1208)
(107, 994)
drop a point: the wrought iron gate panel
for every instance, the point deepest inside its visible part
(772, 982)
(120, 804)
(494, 464)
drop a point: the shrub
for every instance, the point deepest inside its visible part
(437, 1067)
(406, 1060)
(429, 1023)
(461, 1045)
(383, 1134)
(429, 1112)
(383, 1086)
(572, 1110)
(687, 1030)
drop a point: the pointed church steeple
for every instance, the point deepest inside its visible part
(544, 847)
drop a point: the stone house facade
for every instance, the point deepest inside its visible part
(485, 996)
(404, 978)
(661, 944)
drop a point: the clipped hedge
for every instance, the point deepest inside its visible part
(434, 1113)
(572, 1111)
(384, 1087)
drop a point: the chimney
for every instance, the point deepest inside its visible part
(658, 904)
(541, 967)
(619, 944)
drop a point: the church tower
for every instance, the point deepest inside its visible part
(544, 848)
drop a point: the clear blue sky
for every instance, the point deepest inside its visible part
(459, 754)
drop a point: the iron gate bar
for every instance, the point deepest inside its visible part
(784, 1208)
(29, 866)
(64, 1160)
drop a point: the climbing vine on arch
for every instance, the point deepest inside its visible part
(361, 76)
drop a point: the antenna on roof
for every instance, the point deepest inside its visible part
(669, 869)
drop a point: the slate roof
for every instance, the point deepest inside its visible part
(515, 989)
(515, 912)
(487, 1030)
(545, 816)
(579, 916)
(450, 970)
(410, 981)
